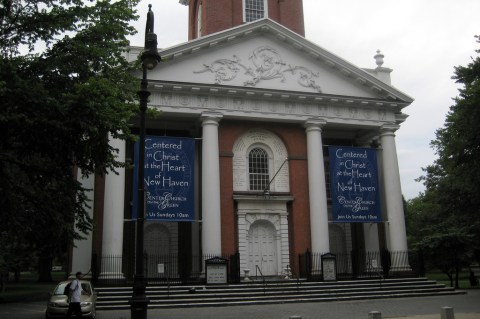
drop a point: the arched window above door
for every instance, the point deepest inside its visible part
(258, 156)
(258, 169)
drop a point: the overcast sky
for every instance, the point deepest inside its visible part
(422, 41)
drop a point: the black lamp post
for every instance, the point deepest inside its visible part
(150, 58)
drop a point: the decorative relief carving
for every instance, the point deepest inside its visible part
(224, 70)
(238, 104)
(221, 103)
(266, 64)
(382, 114)
(166, 99)
(255, 105)
(307, 109)
(306, 77)
(338, 111)
(184, 100)
(289, 107)
(323, 110)
(202, 101)
(353, 112)
(367, 114)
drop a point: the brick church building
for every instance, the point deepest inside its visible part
(267, 147)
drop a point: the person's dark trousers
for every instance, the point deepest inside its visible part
(75, 308)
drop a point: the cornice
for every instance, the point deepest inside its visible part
(332, 111)
(274, 95)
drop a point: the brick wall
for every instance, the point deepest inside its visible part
(294, 138)
(219, 15)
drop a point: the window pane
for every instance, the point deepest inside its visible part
(254, 10)
(258, 169)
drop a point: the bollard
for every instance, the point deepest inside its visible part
(374, 315)
(447, 313)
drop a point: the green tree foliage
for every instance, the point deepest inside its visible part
(444, 221)
(59, 107)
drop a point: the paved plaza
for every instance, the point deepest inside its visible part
(465, 306)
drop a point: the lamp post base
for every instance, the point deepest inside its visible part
(138, 307)
(139, 301)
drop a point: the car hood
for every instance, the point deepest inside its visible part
(62, 299)
(59, 300)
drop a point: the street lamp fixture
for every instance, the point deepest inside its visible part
(150, 58)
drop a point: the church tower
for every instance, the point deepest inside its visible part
(210, 16)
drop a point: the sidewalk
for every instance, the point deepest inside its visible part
(465, 306)
(457, 316)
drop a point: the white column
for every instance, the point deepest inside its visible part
(392, 189)
(113, 215)
(316, 187)
(211, 223)
(82, 249)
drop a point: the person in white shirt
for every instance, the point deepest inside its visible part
(74, 294)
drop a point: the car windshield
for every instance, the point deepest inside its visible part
(86, 288)
(61, 288)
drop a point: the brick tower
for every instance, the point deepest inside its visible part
(210, 16)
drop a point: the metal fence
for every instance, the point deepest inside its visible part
(111, 270)
(186, 269)
(364, 264)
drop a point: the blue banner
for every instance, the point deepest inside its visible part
(354, 185)
(169, 179)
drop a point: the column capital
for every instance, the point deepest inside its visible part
(314, 123)
(389, 129)
(211, 116)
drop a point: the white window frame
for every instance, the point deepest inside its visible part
(199, 21)
(265, 10)
(269, 163)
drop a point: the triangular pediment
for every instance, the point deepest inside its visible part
(264, 55)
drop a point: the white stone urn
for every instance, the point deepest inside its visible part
(247, 274)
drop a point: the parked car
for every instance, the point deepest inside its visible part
(57, 305)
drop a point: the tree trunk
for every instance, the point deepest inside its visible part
(457, 273)
(45, 269)
(450, 277)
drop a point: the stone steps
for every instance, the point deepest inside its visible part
(271, 292)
